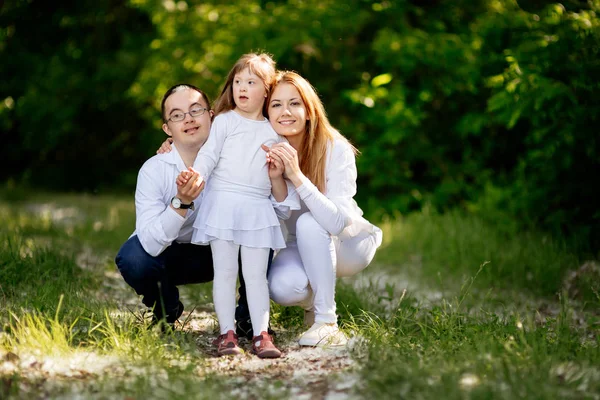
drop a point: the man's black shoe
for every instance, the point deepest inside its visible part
(243, 328)
(169, 320)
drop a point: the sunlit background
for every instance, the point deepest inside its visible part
(477, 122)
(487, 105)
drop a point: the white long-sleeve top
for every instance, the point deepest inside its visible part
(232, 156)
(234, 161)
(238, 205)
(157, 225)
(336, 210)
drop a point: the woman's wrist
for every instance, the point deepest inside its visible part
(297, 179)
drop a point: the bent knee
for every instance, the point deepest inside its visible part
(308, 225)
(350, 268)
(353, 257)
(286, 291)
(133, 266)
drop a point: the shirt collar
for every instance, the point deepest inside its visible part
(173, 158)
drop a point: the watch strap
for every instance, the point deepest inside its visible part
(186, 206)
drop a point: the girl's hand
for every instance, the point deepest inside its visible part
(165, 147)
(185, 176)
(274, 164)
(182, 178)
(289, 157)
(276, 168)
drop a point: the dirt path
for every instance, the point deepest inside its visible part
(306, 373)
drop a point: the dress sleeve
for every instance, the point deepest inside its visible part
(157, 224)
(331, 210)
(284, 208)
(209, 154)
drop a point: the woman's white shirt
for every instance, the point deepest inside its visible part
(336, 210)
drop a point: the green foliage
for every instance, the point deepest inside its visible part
(65, 111)
(444, 99)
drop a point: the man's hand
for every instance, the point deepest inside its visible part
(189, 185)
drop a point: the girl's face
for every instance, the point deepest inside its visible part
(249, 94)
(287, 111)
(191, 131)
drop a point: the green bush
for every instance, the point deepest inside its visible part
(444, 99)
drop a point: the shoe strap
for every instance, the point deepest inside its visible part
(258, 338)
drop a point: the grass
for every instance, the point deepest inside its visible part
(453, 350)
(496, 331)
(452, 246)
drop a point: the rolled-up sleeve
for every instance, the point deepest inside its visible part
(284, 208)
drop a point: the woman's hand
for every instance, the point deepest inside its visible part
(286, 154)
(189, 185)
(165, 147)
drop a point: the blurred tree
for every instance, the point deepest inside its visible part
(548, 92)
(485, 104)
(65, 111)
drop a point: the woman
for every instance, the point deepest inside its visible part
(328, 236)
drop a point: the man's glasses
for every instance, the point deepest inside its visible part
(179, 116)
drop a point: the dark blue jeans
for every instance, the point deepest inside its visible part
(157, 278)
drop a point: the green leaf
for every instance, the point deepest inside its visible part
(382, 79)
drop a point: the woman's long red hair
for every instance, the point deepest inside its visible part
(318, 131)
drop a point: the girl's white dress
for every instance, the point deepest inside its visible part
(237, 204)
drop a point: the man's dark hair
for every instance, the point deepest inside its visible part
(177, 88)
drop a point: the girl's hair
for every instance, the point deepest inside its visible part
(260, 64)
(178, 88)
(318, 130)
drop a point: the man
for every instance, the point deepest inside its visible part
(159, 256)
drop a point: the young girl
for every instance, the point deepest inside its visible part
(237, 213)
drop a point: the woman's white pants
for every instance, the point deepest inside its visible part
(304, 273)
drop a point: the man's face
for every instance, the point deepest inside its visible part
(192, 131)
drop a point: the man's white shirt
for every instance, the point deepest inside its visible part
(157, 225)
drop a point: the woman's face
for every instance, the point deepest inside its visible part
(287, 111)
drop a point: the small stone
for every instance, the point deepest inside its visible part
(10, 356)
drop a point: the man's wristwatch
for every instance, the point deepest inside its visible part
(177, 204)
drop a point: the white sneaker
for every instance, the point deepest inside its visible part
(309, 318)
(323, 335)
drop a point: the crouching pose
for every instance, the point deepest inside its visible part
(328, 236)
(158, 257)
